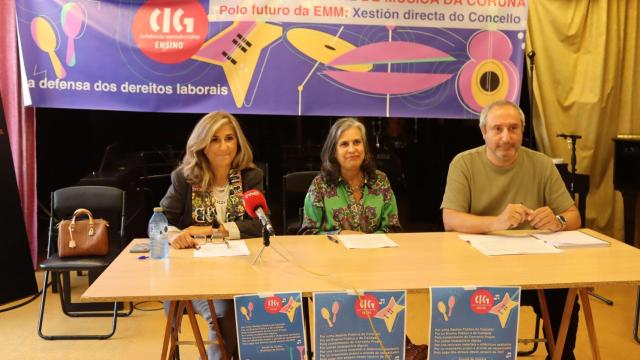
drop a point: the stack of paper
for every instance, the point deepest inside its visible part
(508, 245)
(569, 239)
(366, 241)
(232, 248)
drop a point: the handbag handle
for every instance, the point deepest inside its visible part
(77, 213)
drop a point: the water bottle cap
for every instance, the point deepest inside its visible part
(158, 209)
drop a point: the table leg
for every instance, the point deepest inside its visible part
(305, 312)
(196, 330)
(177, 325)
(168, 328)
(564, 325)
(546, 321)
(588, 317)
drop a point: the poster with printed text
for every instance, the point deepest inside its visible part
(474, 323)
(369, 325)
(392, 58)
(270, 327)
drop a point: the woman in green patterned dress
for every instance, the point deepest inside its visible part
(349, 195)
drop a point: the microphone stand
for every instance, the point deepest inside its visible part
(266, 241)
(571, 140)
(531, 55)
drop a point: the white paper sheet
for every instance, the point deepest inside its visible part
(569, 239)
(366, 241)
(493, 245)
(235, 248)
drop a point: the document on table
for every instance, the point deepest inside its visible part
(569, 239)
(235, 248)
(366, 241)
(509, 245)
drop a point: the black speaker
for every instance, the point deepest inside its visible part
(17, 279)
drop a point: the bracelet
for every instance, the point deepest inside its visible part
(562, 221)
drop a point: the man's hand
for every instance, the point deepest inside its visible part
(544, 219)
(512, 216)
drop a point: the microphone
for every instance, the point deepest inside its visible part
(255, 204)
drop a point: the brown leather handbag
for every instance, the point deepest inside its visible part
(89, 237)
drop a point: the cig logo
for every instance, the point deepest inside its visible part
(168, 20)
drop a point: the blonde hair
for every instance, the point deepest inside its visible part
(195, 165)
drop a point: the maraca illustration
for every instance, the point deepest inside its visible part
(443, 310)
(301, 351)
(72, 18)
(244, 312)
(325, 315)
(335, 308)
(452, 303)
(250, 306)
(46, 39)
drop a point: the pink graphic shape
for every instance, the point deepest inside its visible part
(227, 43)
(388, 83)
(465, 79)
(452, 303)
(335, 308)
(482, 46)
(73, 20)
(386, 311)
(300, 351)
(250, 306)
(391, 52)
(490, 44)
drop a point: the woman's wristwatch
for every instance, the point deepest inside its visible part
(562, 221)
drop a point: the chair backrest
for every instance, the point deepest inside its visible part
(104, 202)
(294, 189)
(264, 166)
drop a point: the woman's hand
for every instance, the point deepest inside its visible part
(350, 232)
(194, 230)
(181, 240)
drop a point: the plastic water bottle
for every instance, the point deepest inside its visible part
(159, 242)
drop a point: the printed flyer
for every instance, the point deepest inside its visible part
(474, 323)
(270, 327)
(369, 325)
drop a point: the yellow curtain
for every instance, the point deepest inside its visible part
(587, 70)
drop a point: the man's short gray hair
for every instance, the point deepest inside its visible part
(497, 103)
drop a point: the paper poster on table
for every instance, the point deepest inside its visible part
(270, 327)
(474, 322)
(371, 325)
(439, 59)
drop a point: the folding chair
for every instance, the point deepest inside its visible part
(104, 202)
(294, 189)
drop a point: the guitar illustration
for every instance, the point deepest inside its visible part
(237, 49)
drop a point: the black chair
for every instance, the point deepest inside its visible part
(294, 189)
(104, 202)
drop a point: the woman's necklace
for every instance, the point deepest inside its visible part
(221, 194)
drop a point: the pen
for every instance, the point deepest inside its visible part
(227, 242)
(332, 238)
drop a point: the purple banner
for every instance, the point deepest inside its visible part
(174, 56)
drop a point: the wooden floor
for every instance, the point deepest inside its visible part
(140, 335)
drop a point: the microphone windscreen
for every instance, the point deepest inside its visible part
(252, 199)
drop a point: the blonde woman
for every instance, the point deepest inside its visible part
(206, 197)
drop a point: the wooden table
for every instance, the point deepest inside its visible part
(314, 263)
